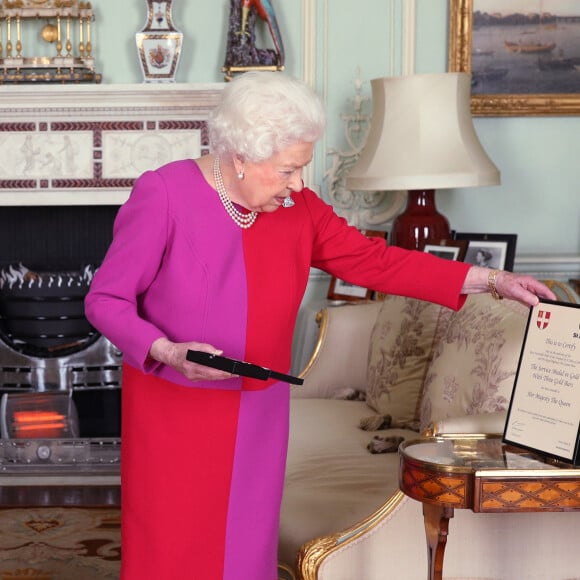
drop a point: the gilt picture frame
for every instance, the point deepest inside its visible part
(524, 57)
(490, 250)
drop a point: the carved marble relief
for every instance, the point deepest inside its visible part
(88, 147)
(43, 154)
(130, 153)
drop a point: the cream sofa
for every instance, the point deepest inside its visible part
(427, 367)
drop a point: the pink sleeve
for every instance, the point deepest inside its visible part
(131, 262)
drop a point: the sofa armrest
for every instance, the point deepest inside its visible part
(469, 424)
(391, 544)
(340, 357)
(564, 291)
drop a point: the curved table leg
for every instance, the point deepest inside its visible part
(436, 519)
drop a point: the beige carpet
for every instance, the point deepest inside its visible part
(65, 544)
(60, 544)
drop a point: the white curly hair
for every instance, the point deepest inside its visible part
(262, 113)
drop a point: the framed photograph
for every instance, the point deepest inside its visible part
(341, 290)
(447, 249)
(490, 250)
(523, 55)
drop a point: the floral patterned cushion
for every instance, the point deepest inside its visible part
(480, 346)
(400, 350)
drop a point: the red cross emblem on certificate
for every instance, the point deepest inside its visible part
(543, 319)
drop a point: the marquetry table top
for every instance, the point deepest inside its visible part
(486, 475)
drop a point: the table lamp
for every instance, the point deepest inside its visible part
(421, 137)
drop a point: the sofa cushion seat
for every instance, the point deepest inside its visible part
(332, 480)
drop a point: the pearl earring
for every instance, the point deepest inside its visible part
(241, 174)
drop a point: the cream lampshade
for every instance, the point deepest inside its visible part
(421, 138)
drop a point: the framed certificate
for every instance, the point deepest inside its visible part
(544, 411)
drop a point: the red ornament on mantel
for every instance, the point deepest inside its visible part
(420, 222)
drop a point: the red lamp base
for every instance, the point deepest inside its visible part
(420, 222)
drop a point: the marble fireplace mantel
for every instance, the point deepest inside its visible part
(86, 144)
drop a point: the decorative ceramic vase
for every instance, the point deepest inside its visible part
(159, 43)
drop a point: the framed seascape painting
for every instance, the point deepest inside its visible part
(490, 250)
(341, 290)
(523, 55)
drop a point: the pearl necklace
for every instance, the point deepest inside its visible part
(243, 220)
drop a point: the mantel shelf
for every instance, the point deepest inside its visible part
(49, 96)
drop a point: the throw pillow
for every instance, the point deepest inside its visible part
(475, 360)
(401, 348)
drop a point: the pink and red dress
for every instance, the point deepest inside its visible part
(203, 463)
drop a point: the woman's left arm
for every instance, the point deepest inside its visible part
(502, 284)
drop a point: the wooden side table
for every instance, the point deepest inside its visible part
(483, 474)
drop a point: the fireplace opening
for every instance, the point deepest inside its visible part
(55, 237)
(46, 343)
(49, 256)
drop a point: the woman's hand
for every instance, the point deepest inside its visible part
(525, 289)
(173, 354)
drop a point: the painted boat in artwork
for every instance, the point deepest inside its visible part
(530, 48)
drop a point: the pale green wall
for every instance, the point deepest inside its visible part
(538, 198)
(204, 25)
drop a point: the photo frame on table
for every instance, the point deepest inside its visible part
(521, 55)
(447, 249)
(341, 290)
(490, 250)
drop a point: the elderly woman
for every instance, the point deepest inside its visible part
(214, 254)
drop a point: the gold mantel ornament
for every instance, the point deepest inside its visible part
(72, 63)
